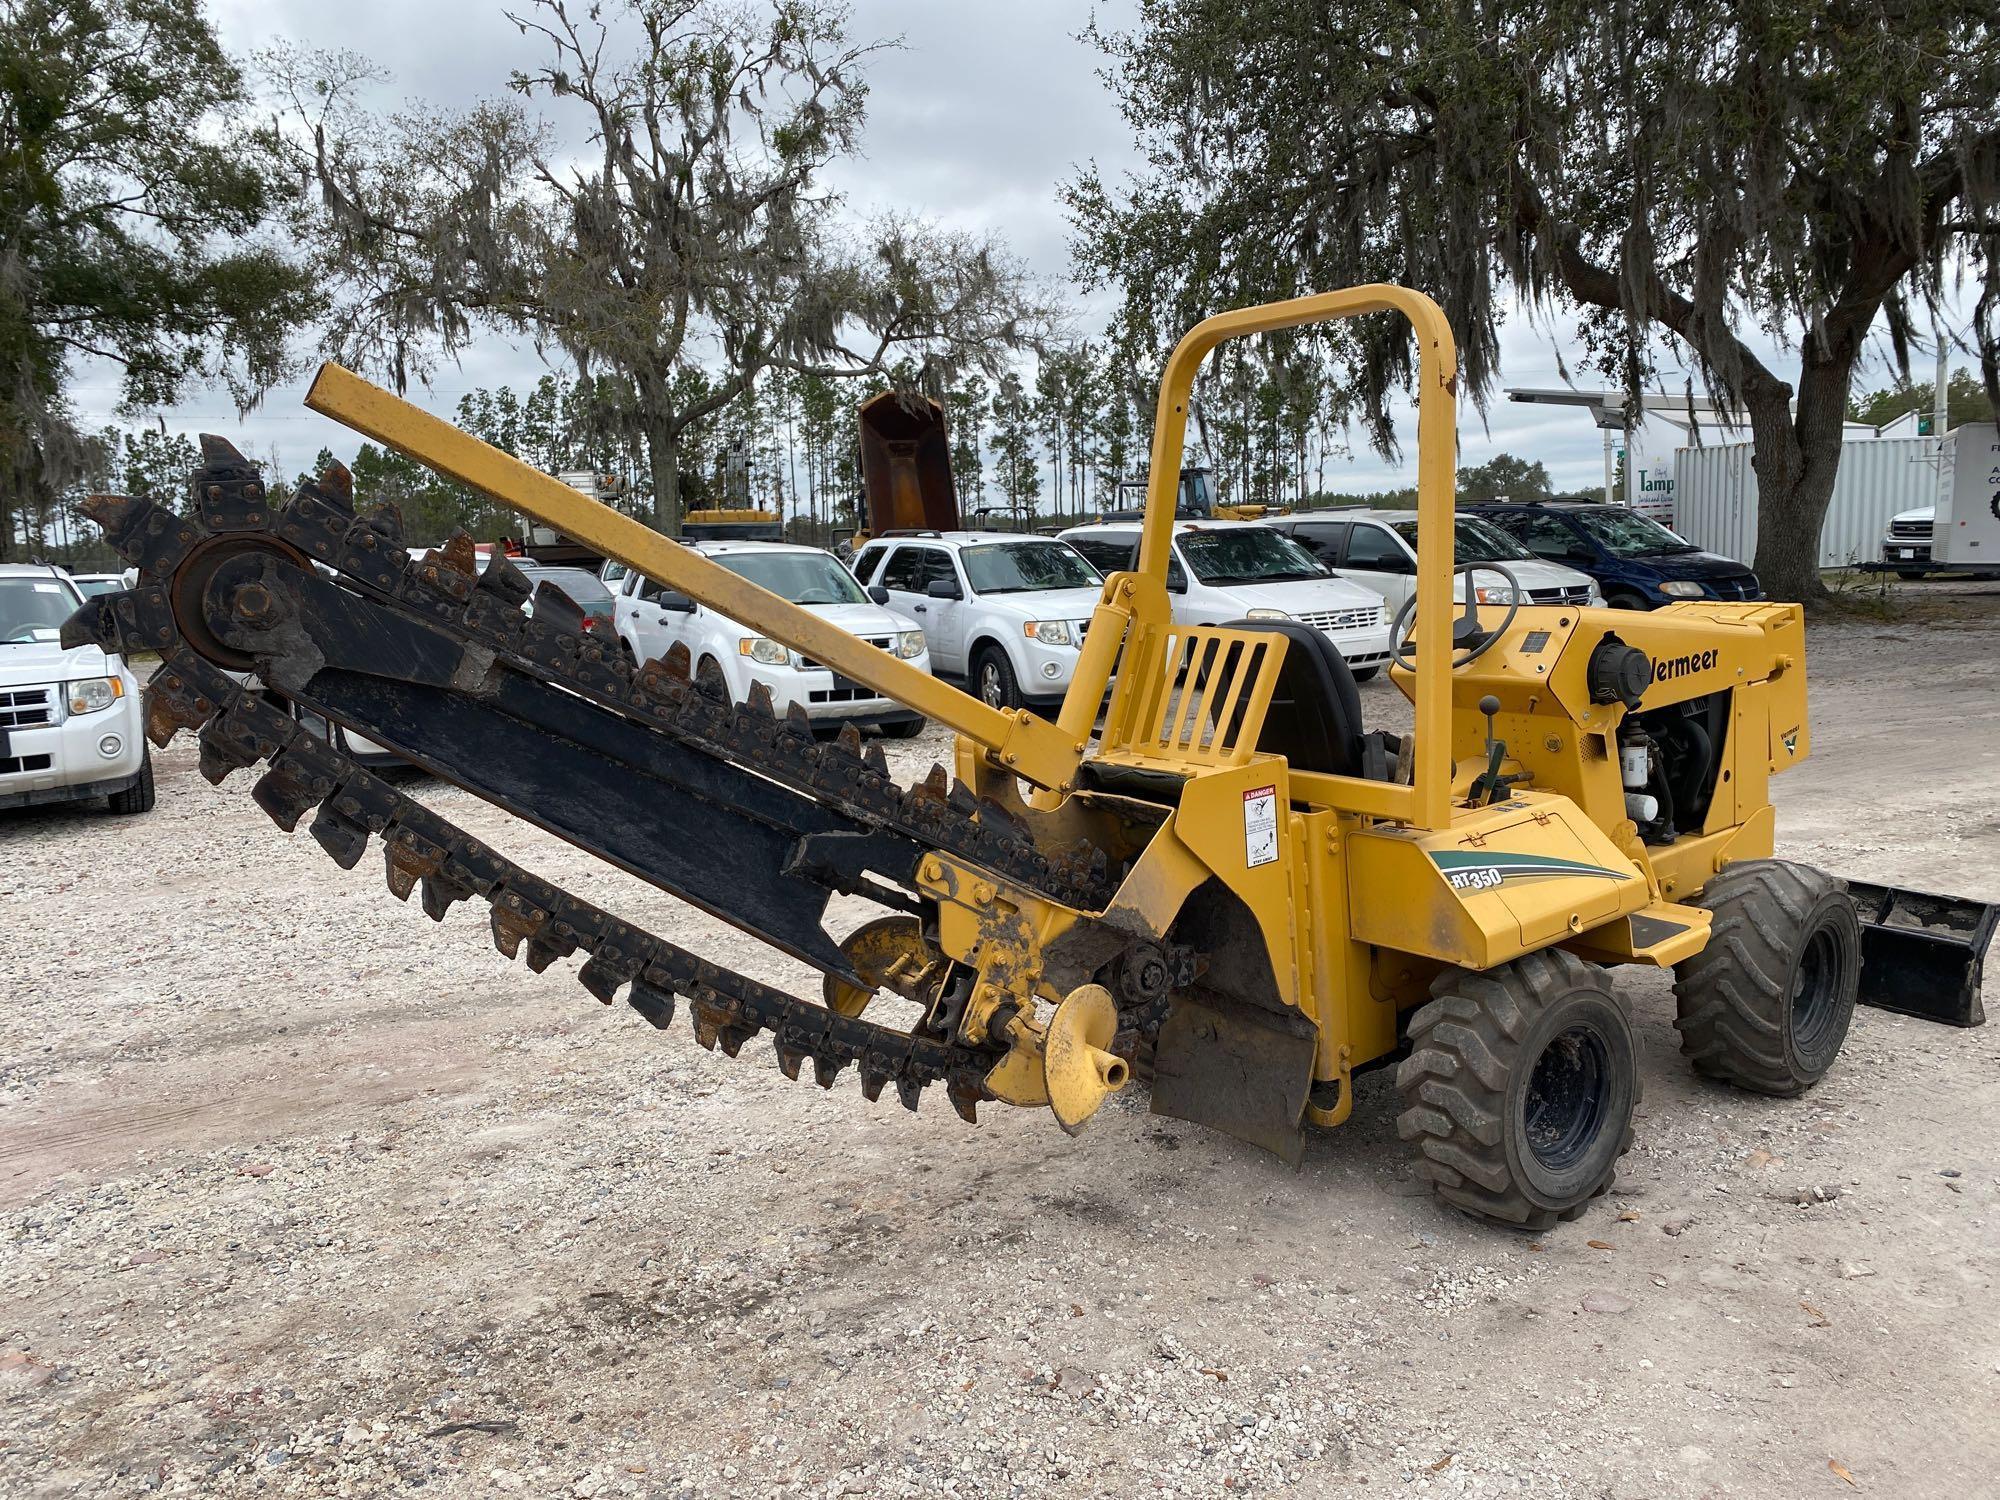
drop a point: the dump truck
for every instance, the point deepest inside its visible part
(1232, 891)
(904, 457)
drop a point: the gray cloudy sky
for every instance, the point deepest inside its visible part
(988, 105)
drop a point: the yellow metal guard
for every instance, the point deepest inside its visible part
(1192, 695)
(1427, 802)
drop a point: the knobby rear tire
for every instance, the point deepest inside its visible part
(1766, 1005)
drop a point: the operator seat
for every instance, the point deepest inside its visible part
(1314, 720)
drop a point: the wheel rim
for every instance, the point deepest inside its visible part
(1816, 990)
(1567, 1092)
(989, 685)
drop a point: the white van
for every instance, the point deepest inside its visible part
(1222, 571)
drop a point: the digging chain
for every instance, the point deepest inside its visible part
(239, 726)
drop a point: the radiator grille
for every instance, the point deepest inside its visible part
(22, 707)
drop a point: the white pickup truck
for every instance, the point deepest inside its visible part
(70, 722)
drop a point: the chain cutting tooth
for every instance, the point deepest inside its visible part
(798, 723)
(219, 453)
(875, 760)
(961, 800)
(515, 920)
(396, 870)
(439, 894)
(385, 519)
(603, 974)
(790, 1058)
(554, 607)
(873, 1080)
(285, 796)
(709, 1019)
(652, 1002)
(909, 1091)
(504, 581)
(848, 741)
(335, 486)
(172, 705)
(120, 516)
(217, 759)
(965, 1094)
(826, 1070)
(677, 662)
(340, 835)
(759, 700)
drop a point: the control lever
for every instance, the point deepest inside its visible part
(1490, 786)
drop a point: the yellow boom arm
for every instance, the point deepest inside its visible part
(1026, 745)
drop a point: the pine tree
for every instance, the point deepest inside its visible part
(1014, 444)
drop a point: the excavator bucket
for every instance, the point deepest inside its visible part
(1923, 954)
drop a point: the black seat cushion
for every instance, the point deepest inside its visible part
(1315, 716)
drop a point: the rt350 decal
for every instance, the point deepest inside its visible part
(1469, 870)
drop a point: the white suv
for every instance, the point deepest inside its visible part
(651, 619)
(70, 722)
(1003, 610)
(1222, 571)
(1378, 549)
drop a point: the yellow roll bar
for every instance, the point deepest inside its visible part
(1427, 802)
(1031, 747)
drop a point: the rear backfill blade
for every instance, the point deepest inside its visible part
(1923, 954)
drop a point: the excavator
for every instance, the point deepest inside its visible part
(1205, 875)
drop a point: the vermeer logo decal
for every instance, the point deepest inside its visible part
(1468, 870)
(1670, 667)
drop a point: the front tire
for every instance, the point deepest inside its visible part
(1766, 1005)
(994, 681)
(138, 797)
(1364, 674)
(904, 729)
(1519, 1088)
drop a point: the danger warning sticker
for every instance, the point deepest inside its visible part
(1260, 826)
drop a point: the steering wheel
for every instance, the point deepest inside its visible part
(1468, 641)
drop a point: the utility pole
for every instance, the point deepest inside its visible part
(1937, 390)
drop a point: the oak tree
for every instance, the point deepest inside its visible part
(1717, 176)
(649, 197)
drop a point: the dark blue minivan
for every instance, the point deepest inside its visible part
(1637, 562)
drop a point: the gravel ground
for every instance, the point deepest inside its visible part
(301, 1196)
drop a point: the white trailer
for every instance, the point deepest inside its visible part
(1965, 530)
(1715, 497)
